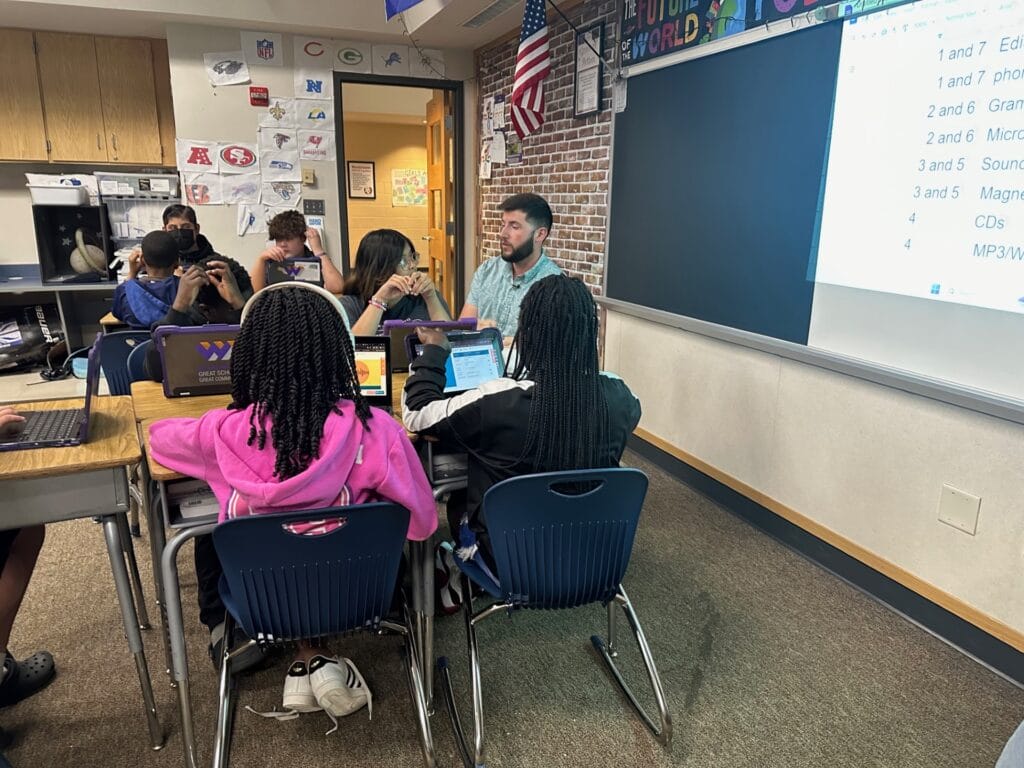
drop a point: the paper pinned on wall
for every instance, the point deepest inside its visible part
(280, 165)
(262, 49)
(391, 59)
(427, 62)
(238, 157)
(252, 219)
(281, 194)
(498, 147)
(313, 52)
(408, 187)
(485, 159)
(316, 115)
(487, 119)
(277, 138)
(353, 57)
(197, 156)
(316, 145)
(513, 148)
(227, 68)
(314, 84)
(202, 188)
(241, 189)
(279, 114)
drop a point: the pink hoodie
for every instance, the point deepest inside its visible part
(356, 464)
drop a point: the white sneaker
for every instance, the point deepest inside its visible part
(338, 686)
(298, 695)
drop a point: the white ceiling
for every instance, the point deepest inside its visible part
(384, 103)
(434, 23)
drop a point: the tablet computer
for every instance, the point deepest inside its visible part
(475, 358)
(399, 330)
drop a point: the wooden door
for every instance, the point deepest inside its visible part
(440, 218)
(128, 96)
(20, 104)
(164, 105)
(71, 96)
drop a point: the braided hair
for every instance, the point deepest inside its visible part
(556, 347)
(292, 360)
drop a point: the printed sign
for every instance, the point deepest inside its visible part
(238, 158)
(391, 60)
(316, 145)
(197, 156)
(314, 84)
(262, 49)
(316, 115)
(352, 57)
(280, 114)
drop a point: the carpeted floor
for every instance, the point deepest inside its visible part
(766, 660)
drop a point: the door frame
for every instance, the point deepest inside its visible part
(455, 87)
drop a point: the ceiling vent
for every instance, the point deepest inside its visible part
(491, 12)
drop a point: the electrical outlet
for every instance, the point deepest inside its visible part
(308, 177)
(313, 207)
(959, 509)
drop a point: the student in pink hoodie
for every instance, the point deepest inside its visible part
(289, 441)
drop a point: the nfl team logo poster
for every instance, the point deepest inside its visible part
(262, 49)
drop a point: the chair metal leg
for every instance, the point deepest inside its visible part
(445, 677)
(662, 732)
(128, 548)
(419, 699)
(612, 642)
(222, 738)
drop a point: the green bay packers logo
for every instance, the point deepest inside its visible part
(349, 56)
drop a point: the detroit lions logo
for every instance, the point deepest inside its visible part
(392, 58)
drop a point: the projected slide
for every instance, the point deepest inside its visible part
(924, 192)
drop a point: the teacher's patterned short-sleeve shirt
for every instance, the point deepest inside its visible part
(497, 295)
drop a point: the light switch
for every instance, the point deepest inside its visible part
(308, 177)
(959, 509)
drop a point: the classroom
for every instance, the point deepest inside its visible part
(755, 264)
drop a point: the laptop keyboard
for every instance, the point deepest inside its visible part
(51, 425)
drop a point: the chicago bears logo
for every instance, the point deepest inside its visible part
(215, 351)
(238, 156)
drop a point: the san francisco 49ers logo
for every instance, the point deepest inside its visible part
(237, 156)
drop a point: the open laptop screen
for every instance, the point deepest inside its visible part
(475, 358)
(373, 367)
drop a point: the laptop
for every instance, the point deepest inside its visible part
(475, 358)
(69, 426)
(373, 367)
(196, 359)
(399, 330)
(303, 270)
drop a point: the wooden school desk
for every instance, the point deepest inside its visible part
(110, 323)
(47, 485)
(151, 406)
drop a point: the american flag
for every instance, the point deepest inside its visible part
(533, 62)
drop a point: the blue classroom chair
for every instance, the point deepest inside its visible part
(114, 350)
(560, 540)
(280, 587)
(137, 362)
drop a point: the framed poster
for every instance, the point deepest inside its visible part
(589, 71)
(362, 183)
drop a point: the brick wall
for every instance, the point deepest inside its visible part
(567, 160)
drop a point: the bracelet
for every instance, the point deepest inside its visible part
(381, 305)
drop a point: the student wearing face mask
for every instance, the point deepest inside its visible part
(499, 285)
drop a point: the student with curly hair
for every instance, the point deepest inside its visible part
(386, 285)
(290, 234)
(299, 435)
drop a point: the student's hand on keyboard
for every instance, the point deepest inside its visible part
(188, 288)
(434, 336)
(10, 422)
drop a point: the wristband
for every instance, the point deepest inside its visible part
(381, 305)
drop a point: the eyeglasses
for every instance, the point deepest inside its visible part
(409, 262)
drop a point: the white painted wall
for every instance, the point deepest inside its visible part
(223, 114)
(863, 460)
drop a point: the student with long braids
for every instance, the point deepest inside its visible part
(290, 441)
(557, 410)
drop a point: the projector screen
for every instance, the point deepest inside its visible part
(920, 259)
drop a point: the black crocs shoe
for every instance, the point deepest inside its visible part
(21, 679)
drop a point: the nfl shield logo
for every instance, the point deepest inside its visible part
(265, 49)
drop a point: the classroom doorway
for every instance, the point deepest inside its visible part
(397, 154)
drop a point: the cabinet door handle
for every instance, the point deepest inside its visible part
(113, 141)
(99, 141)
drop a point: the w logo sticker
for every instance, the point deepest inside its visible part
(215, 351)
(293, 270)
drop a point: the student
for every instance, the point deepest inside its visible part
(289, 231)
(290, 441)
(556, 412)
(499, 285)
(143, 299)
(386, 285)
(19, 550)
(180, 222)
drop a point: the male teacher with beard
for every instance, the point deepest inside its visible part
(499, 285)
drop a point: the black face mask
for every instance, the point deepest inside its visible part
(184, 238)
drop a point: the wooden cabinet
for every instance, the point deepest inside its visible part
(25, 136)
(71, 96)
(104, 99)
(125, 68)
